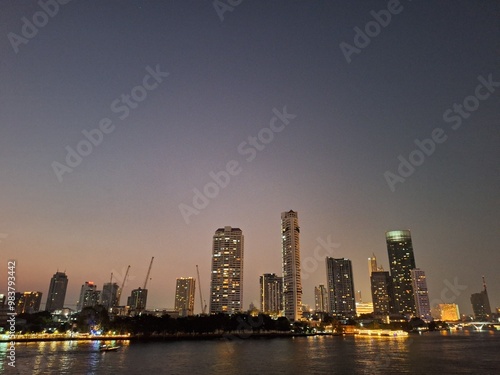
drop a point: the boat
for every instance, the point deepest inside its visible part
(380, 333)
(107, 348)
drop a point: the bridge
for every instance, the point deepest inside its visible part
(478, 326)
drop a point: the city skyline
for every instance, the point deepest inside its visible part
(241, 120)
(382, 285)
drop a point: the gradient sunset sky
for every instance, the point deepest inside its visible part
(120, 205)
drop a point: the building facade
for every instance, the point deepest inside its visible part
(57, 292)
(28, 302)
(381, 287)
(401, 262)
(292, 282)
(226, 287)
(271, 294)
(421, 295)
(321, 299)
(341, 292)
(184, 295)
(448, 312)
(109, 295)
(89, 296)
(138, 300)
(481, 304)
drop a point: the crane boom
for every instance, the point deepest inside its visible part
(203, 306)
(119, 294)
(149, 271)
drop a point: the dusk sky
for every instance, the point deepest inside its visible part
(229, 73)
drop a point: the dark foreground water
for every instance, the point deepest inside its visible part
(431, 353)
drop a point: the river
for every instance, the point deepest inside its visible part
(430, 353)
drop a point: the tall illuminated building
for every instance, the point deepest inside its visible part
(341, 292)
(481, 304)
(421, 294)
(381, 287)
(321, 299)
(401, 262)
(89, 296)
(292, 283)
(184, 295)
(271, 294)
(109, 295)
(226, 287)
(57, 292)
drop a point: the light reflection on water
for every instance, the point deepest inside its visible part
(456, 353)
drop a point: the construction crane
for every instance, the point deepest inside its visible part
(147, 275)
(119, 294)
(203, 303)
(141, 302)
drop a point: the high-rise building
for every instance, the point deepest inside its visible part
(138, 299)
(340, 288)
(184, 295)
(381, 286)
(57, 292)
(401, 262)
(89, 296)
(292, 282)
(481, 304)
(321, 299)
(28, 302)
(421, 294)
(271, 294)
(226, 287)
(109, 295)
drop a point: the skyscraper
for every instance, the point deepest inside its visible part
(421, 294)
(381, 286)
(271, 294)
(340, 288)
(321, 299)
(481, 304)
(292, 283)
(401, 262)
(57, 292)
(109, 296)
(184, 295)
(226, 287)
(89, 296)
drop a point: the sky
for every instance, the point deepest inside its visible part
(339, 94)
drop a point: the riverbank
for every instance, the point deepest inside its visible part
(164, 337)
